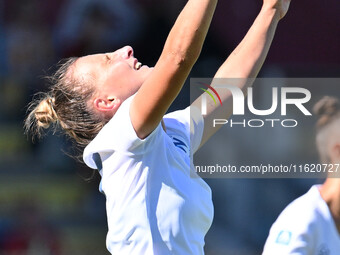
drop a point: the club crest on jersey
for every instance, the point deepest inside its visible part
(323, 250)
(284, 237)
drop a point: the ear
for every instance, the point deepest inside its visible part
(107, 104)
(335, 153)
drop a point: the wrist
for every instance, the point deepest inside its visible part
(271, 12)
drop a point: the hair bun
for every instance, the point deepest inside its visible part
(45, 113)
(327, 109)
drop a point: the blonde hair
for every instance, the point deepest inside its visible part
(328, 110)
(45, 113)
(65, 105)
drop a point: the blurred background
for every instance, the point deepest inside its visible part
(47, 205)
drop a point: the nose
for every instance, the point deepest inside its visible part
(126, 52)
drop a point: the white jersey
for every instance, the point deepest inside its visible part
(305, 226)
(153, 204)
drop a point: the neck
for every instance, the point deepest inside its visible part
(330, 192)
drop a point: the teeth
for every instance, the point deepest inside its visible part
(138, 65)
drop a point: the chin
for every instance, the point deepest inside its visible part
(145, 68)
(146, 71)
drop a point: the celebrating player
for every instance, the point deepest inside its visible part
(114, 107)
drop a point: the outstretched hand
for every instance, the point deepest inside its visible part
(281, 6)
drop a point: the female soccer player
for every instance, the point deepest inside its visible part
(311, 223)
(114, 106)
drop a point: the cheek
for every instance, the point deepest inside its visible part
(126, 79)
(119, 75)
(135, 79)
(128, 84)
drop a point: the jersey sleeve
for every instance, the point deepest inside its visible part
(189, 124)
(118, 135)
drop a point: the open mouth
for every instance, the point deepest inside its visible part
(137, 65)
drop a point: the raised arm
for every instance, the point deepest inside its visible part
(245, 61)
(180, 52)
